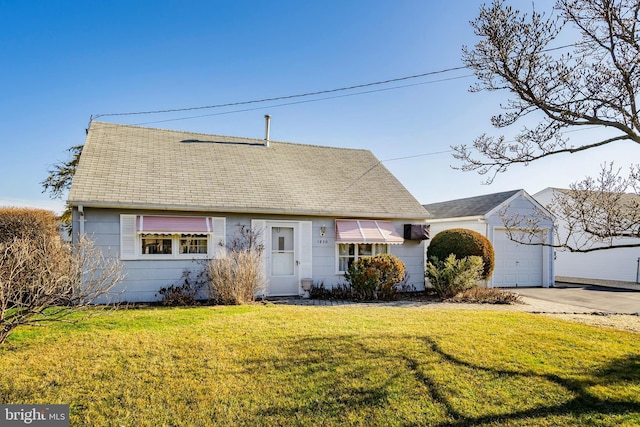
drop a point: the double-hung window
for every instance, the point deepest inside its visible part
(357, 238)
(170, 237)
(194, 244)
(349, 252)
(186, 244)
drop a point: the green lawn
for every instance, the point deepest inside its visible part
(291, 365)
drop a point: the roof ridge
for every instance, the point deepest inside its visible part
(248, 139)
(474, 197)
(172, 130)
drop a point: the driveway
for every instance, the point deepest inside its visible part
(599, 298)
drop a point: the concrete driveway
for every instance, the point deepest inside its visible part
(599, 298)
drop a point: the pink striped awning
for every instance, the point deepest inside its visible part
(367, 231)
(174, 224)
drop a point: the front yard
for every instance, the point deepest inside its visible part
(347, 365)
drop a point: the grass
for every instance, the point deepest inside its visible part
(349, 365)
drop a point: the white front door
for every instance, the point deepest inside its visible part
(282, 259)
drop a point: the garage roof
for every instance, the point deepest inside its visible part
(470, 206)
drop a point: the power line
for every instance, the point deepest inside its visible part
(305, 101)
(417, 155)
(451, 151)
(278, 98)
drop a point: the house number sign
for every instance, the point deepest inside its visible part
(322, 242)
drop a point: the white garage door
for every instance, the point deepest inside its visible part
(516, 264)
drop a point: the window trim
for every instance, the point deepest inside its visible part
(356, 256)
(131, 239)
(175, 247)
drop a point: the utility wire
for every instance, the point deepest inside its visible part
(305, 101)
(417, 155)
(451, 151)
(278, 98)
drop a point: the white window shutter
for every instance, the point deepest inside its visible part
(219, 235)
(128, 238)
(306, 253)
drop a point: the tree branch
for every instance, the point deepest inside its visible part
(596, 85)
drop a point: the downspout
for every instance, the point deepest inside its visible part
(81, 219)
(488, 283)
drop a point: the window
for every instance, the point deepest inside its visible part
(349, 252)
(173, 236)
(196, 244)
(170, 237)
(180, 244)
(155, 245)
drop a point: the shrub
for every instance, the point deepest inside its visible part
(43, 279)
(451, 276)
(27, 223)
(480, 295)
(235, 277)
(463, 243)
(377, 277)
(184, 294)
(340, 291)
(236, 274)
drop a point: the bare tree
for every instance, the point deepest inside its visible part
(597, 214)
(43, 279)
(554, 88)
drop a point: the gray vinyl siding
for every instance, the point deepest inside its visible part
(145, 277)
(412, 254)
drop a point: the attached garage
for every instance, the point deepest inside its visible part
(516, 264)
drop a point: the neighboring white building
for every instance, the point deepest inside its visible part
(516, 265)
(610, 266)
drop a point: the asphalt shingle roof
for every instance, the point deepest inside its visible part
(144, 168)
(470, 206)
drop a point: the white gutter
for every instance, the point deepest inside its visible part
(462, 218)
(251, 210)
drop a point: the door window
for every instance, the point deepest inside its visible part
(282, 254)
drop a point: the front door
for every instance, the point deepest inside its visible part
(283, 264)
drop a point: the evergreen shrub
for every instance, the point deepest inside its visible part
(452, 276)
(463, 243)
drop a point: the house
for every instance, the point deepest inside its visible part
(161, 199)
(515, 264)
(618, 267)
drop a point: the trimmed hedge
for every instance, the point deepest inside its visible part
(19, 223)
(463, 243)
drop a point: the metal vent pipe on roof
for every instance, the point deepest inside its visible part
(267, 123)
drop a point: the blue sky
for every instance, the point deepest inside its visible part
(63, 61)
